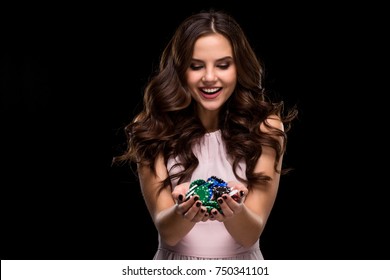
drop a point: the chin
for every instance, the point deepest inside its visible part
(212, 108)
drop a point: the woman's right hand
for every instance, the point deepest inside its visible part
(190, 209)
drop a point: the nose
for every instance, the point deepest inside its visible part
(209, 76)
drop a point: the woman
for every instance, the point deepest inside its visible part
(206, 115)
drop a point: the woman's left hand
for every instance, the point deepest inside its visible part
(230, 205)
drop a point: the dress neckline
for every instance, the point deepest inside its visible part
(218, 131)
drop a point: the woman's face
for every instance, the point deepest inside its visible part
(212, 75)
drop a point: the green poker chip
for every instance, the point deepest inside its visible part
(203, 192)
(197, 183)
(211, 204)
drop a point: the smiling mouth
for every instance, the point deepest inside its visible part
(210, 91)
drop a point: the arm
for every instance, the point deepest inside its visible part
(246, 222)
(167, 216)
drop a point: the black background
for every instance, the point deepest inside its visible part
(72, 77)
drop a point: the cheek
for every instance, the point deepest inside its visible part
(192, 78)
(228, 77)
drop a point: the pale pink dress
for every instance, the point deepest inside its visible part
(209, 240)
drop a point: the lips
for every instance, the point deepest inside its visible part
(210, 93)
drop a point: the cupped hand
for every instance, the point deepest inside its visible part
(230, 205)
(190, 209)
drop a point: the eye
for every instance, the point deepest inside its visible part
(224, 66)
(196, 67)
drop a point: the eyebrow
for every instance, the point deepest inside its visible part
(218, 60)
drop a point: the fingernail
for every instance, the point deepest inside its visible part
(220, 201)
(215, 212)
(198, 204)
(242, 193)
(196, 198)
(202, 210)
(224, 196)
(180, 197)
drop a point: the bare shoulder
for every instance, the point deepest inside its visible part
(272, 122)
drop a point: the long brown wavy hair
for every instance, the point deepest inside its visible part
(168, 123)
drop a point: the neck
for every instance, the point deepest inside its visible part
(210, 124)
(209, 120)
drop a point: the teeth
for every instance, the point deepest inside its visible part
(210, 90)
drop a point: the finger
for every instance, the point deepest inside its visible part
(237, 195)
(211, 215)
(180, 198)
(216, 215)
(225, 207)
(184, 206)
(200, 216)
(195, 207)
(234, 206)
(237, 187)
(199, 211)
(179, 192)
(206, 216)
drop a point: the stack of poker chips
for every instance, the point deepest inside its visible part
(209, 191)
